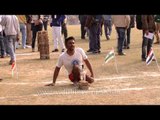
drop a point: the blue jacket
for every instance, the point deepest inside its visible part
(57, 20)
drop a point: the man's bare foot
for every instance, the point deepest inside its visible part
(83, 85)
(76, 84)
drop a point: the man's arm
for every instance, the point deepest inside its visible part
(89, 67)
(55, 75)
(128, 19)
(145, 24)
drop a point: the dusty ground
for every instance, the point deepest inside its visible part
(135, 83)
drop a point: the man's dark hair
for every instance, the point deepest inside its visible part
(69, 38)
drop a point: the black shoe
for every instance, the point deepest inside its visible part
(99, 51)
(124, 47)
(121, 53)
(89, 51)
(2, 56)
(143, 59)
(108, 37)
(95, 51)
(55, 50)
(128, 47)
(83, 38)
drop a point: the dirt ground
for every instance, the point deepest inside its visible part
(135, 83)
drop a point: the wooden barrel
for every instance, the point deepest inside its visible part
(43, 44)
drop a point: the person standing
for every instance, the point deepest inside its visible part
(107, 26)
(128, 35)
(64, 28)
(157, 20)
(45, 21)
(36, 25)
(29, 32)
(2, 48)
(82, 19)
(12, 32)
(93, 25)
(121, 23)
(148, 26)
(56, 24)
(22, 23)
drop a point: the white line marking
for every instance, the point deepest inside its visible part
(29, 83)
(109, 91)
(35, 53)
(67, 81)
(25, 54)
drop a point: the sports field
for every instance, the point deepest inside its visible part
(134, 83)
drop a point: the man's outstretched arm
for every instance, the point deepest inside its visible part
(89, 67)
(55, 75)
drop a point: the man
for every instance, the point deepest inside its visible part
(36, 25)
(72, 59)
(148, 26)
(29, 32)
(45, 21)
(2, 49)
(93, 23)
(128, 34)
(82, 19)
(56, 24)
(12, 32)
(64, 30)
(107, 26)
(121, 23)
(157, 32)
(22, 23)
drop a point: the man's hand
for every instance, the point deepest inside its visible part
(92, 76)
(51, 84)
(51, 25)
(18, 38)
(85, 28)
(36, 22)
(147, 32)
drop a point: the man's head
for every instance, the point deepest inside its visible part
(70, 43)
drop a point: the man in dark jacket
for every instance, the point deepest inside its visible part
(128, 35)
(36, 25)
(148, 26)
(93, 23)
(82, 19)
(64, 30)
(157, 20)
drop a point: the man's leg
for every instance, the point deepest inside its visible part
(11, 45)
(58, 33)
(23, 30)
(144, 47)
(2, 50)
(34, 34)
(29, 34)
(76, 73)
(45, 23)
